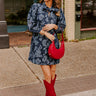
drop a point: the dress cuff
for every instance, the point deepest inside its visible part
(58, 29)
(39, 29)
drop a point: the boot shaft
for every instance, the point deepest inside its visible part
(49, 88)
(53, 81)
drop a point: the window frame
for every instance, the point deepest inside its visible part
(84, 29)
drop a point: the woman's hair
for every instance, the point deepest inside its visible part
(56, 4)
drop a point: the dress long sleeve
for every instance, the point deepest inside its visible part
(33, 25)
(61, 23)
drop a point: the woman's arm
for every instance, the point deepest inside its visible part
(61, 23)
(60, 26)
(48, 27)
(42, 32)
(32, 23)
(55, 27)
(48, 35)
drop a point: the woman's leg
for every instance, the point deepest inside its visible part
(53, 70)
(48, 85)
(46, 72)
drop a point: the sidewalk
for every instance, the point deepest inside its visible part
(75, 73)
(85, 93)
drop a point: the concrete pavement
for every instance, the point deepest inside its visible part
(84, 93)
(18, 75)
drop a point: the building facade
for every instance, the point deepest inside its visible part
(80, 17)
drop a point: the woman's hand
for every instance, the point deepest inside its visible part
(49, 36)
(42, 32)
(48, 27)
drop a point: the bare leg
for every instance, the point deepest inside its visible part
(53, 70)
(50, 91)
(46, 72)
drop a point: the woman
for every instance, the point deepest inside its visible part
(42, 22)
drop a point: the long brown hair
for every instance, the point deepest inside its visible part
(56, 4)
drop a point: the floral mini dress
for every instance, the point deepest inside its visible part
(37, 18)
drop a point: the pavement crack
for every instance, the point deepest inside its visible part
(26, 64)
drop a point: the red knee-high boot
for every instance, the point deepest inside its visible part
(49, 88)
(53, 81)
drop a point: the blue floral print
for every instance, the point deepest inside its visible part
(37, 18)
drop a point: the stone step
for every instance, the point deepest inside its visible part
(4, 41)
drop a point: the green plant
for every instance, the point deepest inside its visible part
(64, 35)
(22, 46)
(87, 38)
(20, 18)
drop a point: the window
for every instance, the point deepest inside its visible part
(88, 14)
(16, 14)
(16, 11)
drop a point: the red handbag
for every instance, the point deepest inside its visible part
(54, 52)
